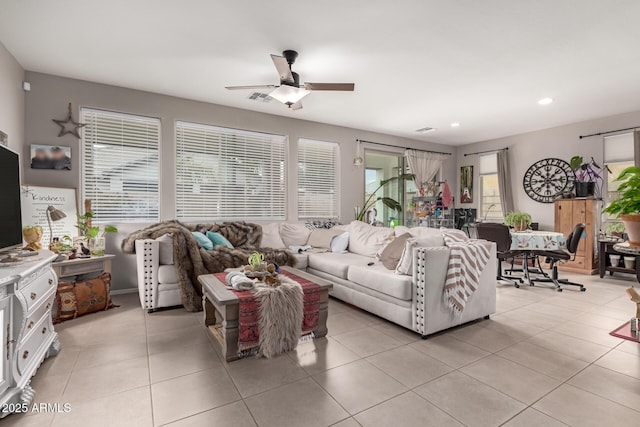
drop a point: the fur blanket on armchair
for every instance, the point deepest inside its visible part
(192, 261)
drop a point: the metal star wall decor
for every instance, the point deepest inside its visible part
(69, 126)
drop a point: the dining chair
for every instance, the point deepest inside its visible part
(554, 257)
(500, 234)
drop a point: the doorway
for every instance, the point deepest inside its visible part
(380, 166)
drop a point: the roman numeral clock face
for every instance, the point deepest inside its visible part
(546, 179)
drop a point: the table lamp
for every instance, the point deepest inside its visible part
(53, 214)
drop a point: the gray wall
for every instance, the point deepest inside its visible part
(50, 95)
(561, 142)
(11, 99)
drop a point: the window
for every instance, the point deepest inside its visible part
(318, 193)
(229, 174)
(120, 166)
(490, 204)
(618, 155)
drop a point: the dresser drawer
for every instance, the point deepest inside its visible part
(75, 269)
(38, 289)
(31, 350)
(40, 311)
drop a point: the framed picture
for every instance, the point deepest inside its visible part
(466, 184)
(50, 157)
(4, 139)
(34, 201)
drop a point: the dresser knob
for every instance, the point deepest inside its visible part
(30, 325)
(51, 281)
(25, 354)
(33, 295)
(48, 305)
(44, 329)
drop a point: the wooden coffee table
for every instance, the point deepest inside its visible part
(221, 310)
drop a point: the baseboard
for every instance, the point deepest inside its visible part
(124, 291)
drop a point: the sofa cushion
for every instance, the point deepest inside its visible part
(218, 239)
(294, 234)
(322, 237)
(167, 274)
(340, 243)
(378, 278)
(271, 236)
(367, 240)
(165, 249)
(203, 240)
(405, 265)
(391, 254)
(336, 264)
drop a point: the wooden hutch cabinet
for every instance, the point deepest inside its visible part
(568, 213)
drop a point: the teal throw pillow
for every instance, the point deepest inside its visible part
(203, 241)
(218, 239)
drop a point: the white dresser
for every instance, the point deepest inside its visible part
(27, 291)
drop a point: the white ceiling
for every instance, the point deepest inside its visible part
(415, 63)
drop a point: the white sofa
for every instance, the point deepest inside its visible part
(414, 301)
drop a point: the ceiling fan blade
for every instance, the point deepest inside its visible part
(347, 87)
(296, 106)
(251, 87)
(283, 68)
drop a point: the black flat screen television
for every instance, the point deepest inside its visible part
(10, 212)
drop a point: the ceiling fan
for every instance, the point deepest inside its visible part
(290, 91)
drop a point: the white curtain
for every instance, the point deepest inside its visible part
(424, 165)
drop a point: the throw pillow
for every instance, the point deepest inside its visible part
(82, 297)
(166, 249)
(294, 234)
(391, 254)
(65, 302)
(218, 239)
(321, 238)
(340, 243)
(367, 240)
(271, 237)
(93, 295)
(203, 240)
(405, 265)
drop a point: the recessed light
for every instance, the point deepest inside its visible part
(545, 101)
(455, 124)
(426, 129)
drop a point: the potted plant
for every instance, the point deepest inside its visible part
(615, 229)
(588, 177)
(627, 205)
(518, 220)
(94, 233)
(388, 201)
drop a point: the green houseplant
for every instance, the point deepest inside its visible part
(388, 201)
(94, 233)
(627, 205)
(518, 220)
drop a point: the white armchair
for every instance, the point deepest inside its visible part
(157, 277)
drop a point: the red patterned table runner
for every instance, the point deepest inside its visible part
(249, 305)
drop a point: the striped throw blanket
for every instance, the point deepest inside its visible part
(467, 260)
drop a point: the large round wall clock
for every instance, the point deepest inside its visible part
(546, 179)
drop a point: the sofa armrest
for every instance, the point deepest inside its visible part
(147, 261)
(429, 273)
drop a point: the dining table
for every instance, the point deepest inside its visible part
(528, 241)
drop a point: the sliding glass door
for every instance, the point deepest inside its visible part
(380, 166)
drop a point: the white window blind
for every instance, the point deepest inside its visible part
(490, 203)
(120, 166)
(229, 174)
(618, 148)
(318, 190)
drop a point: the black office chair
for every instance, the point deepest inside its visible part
(553, 257)
(499, 233)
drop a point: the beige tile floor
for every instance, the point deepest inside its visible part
(544, 359)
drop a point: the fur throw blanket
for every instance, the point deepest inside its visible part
(192, 261)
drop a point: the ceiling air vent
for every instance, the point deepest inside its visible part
(260, 97)
(426, 129)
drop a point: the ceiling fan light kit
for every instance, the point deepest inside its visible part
(290, 91)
